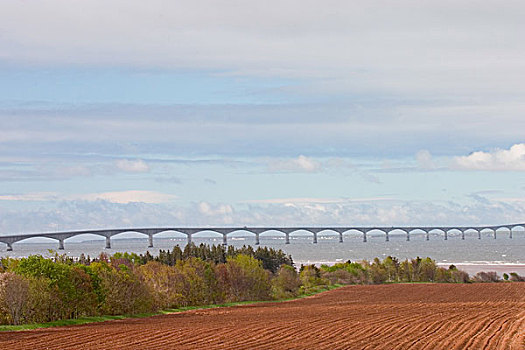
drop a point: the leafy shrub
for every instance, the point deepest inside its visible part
(243, 278)
(286, 283)
(514, 277)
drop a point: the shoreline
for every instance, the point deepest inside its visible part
(471, 268)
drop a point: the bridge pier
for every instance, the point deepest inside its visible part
(479, 234)
(494, 234)
(287, 239)
(427, 236)
(256, 239)
(364, 236)
(510, 233)
(387, 237)
(446, 235)
(340, 237)
(224, 239)
(61, 244)
(9, 247)
(150, 241)
(315, 237)
(463, 235)
(108, 243)
(408, 236)
(189, 238)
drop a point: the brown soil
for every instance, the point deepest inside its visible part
(401, 316)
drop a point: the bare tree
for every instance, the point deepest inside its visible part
(14, 292)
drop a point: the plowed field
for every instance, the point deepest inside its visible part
(401, 316)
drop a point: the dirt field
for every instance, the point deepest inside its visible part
(417, 316)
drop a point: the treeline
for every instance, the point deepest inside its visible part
(37, 289)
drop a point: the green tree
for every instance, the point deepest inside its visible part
(286, 283)
(311, 280)
(427, 270)
(124, 292)
(243, 278)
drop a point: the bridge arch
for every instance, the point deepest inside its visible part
(353, 231)
(10, 243)
(485, 230)
(241, 233)
(273, 232)
(170, 233)
(453, 232)
(432, 230)
(507, 228)
(515, 228)
(135, 233)
(469, 230)
(418, 231)
(394, 231)
(208, 233)
(300, 232)
(326, 233)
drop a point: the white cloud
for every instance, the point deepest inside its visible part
(512, 159)
(424, 160)
(112, 197)
(128, 197)
(132, 166)
(301, 201)
(30, 197)
(219, 209)
(300, 164)
(221, 214)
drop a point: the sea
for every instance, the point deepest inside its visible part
(473, 255)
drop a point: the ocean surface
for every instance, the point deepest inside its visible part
(472, 254)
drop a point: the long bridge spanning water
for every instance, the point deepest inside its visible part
(257, 231)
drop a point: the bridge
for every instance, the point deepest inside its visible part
(257, 231)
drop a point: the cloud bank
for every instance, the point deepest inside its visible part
(82, 214)
(512, 159)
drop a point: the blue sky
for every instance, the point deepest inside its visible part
(125, 113)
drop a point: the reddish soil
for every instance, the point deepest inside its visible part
(401, 316)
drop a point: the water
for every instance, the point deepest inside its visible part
(469, 252)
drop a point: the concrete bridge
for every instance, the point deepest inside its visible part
(256, 231)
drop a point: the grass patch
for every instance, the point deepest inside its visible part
(91, 319)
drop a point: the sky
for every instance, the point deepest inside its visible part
(232, 113)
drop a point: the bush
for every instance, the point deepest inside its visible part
(197, 282)
(14, 295)
(311, 280)
(484, 277)
(377, 273)
(514, 277)
(71, 285)
(164, 283)
(124, 292)
(345, 273)
(286, 283)
(243, 278)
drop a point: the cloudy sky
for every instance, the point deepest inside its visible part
(174, 113)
